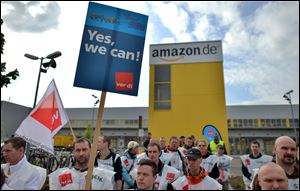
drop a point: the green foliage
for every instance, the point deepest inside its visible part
(237, 183)
(12, 75)
(88, 132)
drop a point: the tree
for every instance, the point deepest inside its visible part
(6, 78)
(88, 132)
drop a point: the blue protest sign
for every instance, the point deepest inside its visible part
(111, 50)
(209, 131)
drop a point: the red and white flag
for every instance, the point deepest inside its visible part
(44, 121)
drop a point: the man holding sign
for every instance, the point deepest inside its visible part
(74, 178)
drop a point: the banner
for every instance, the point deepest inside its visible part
(209, 131)
(44, 121)
(111, 50)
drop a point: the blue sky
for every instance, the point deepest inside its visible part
(260, 46)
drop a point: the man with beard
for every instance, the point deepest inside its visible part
(74, 178)
(285, 153)
(189, 144)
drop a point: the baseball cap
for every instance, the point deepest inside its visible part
(132, 145)
(193, 153)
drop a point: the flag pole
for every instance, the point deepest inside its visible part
(74, 137)
(97, 133)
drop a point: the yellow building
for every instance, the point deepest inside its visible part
(63, 140)
(187, 89)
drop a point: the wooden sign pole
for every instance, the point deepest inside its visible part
(97, 132)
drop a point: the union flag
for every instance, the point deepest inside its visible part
(44, 121)
(48, 114)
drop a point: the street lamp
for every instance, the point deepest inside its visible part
(43, 67)
(288, 97)
(95, 103)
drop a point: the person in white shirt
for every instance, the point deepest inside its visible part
(224, 165)
(285, 153)
(177, 161)
(196, 178)
(208, 162)
(128, 161)
(253, 161)
(108, 159)
(3, 177)
(20, 174)
(164, 156)
(146, 174)
(165, 174)
(74, 178)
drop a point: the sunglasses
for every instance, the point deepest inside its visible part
(201, 145)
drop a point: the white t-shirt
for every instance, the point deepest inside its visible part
(207, 183)
(24, 176)
(71, 179)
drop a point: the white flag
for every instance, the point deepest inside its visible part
(44, 121)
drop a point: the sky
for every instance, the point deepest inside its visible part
(260, 47)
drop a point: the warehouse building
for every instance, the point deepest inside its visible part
(245, 123)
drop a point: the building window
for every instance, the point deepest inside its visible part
(268, 121)
(284, 123)
(246, 124)
(274, 123)
(263, 123)
(296, 123)
(229, 123)
(110, 122)
(255, 121)
(131, 122)
(250, 123)
(162, 87)
(240, 123)
(235, 125)
(278, 122)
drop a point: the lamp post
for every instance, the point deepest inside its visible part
(288, 97)
(95, 103)
(141, 130)
(43, 67)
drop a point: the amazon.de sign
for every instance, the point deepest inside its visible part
(111, 50)
(192, 52)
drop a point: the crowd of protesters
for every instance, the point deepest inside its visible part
(176, 164)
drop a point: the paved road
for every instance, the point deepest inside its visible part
(236, 166)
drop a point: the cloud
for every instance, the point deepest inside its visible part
(32, 17)
(270, 63)
(261, 48)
